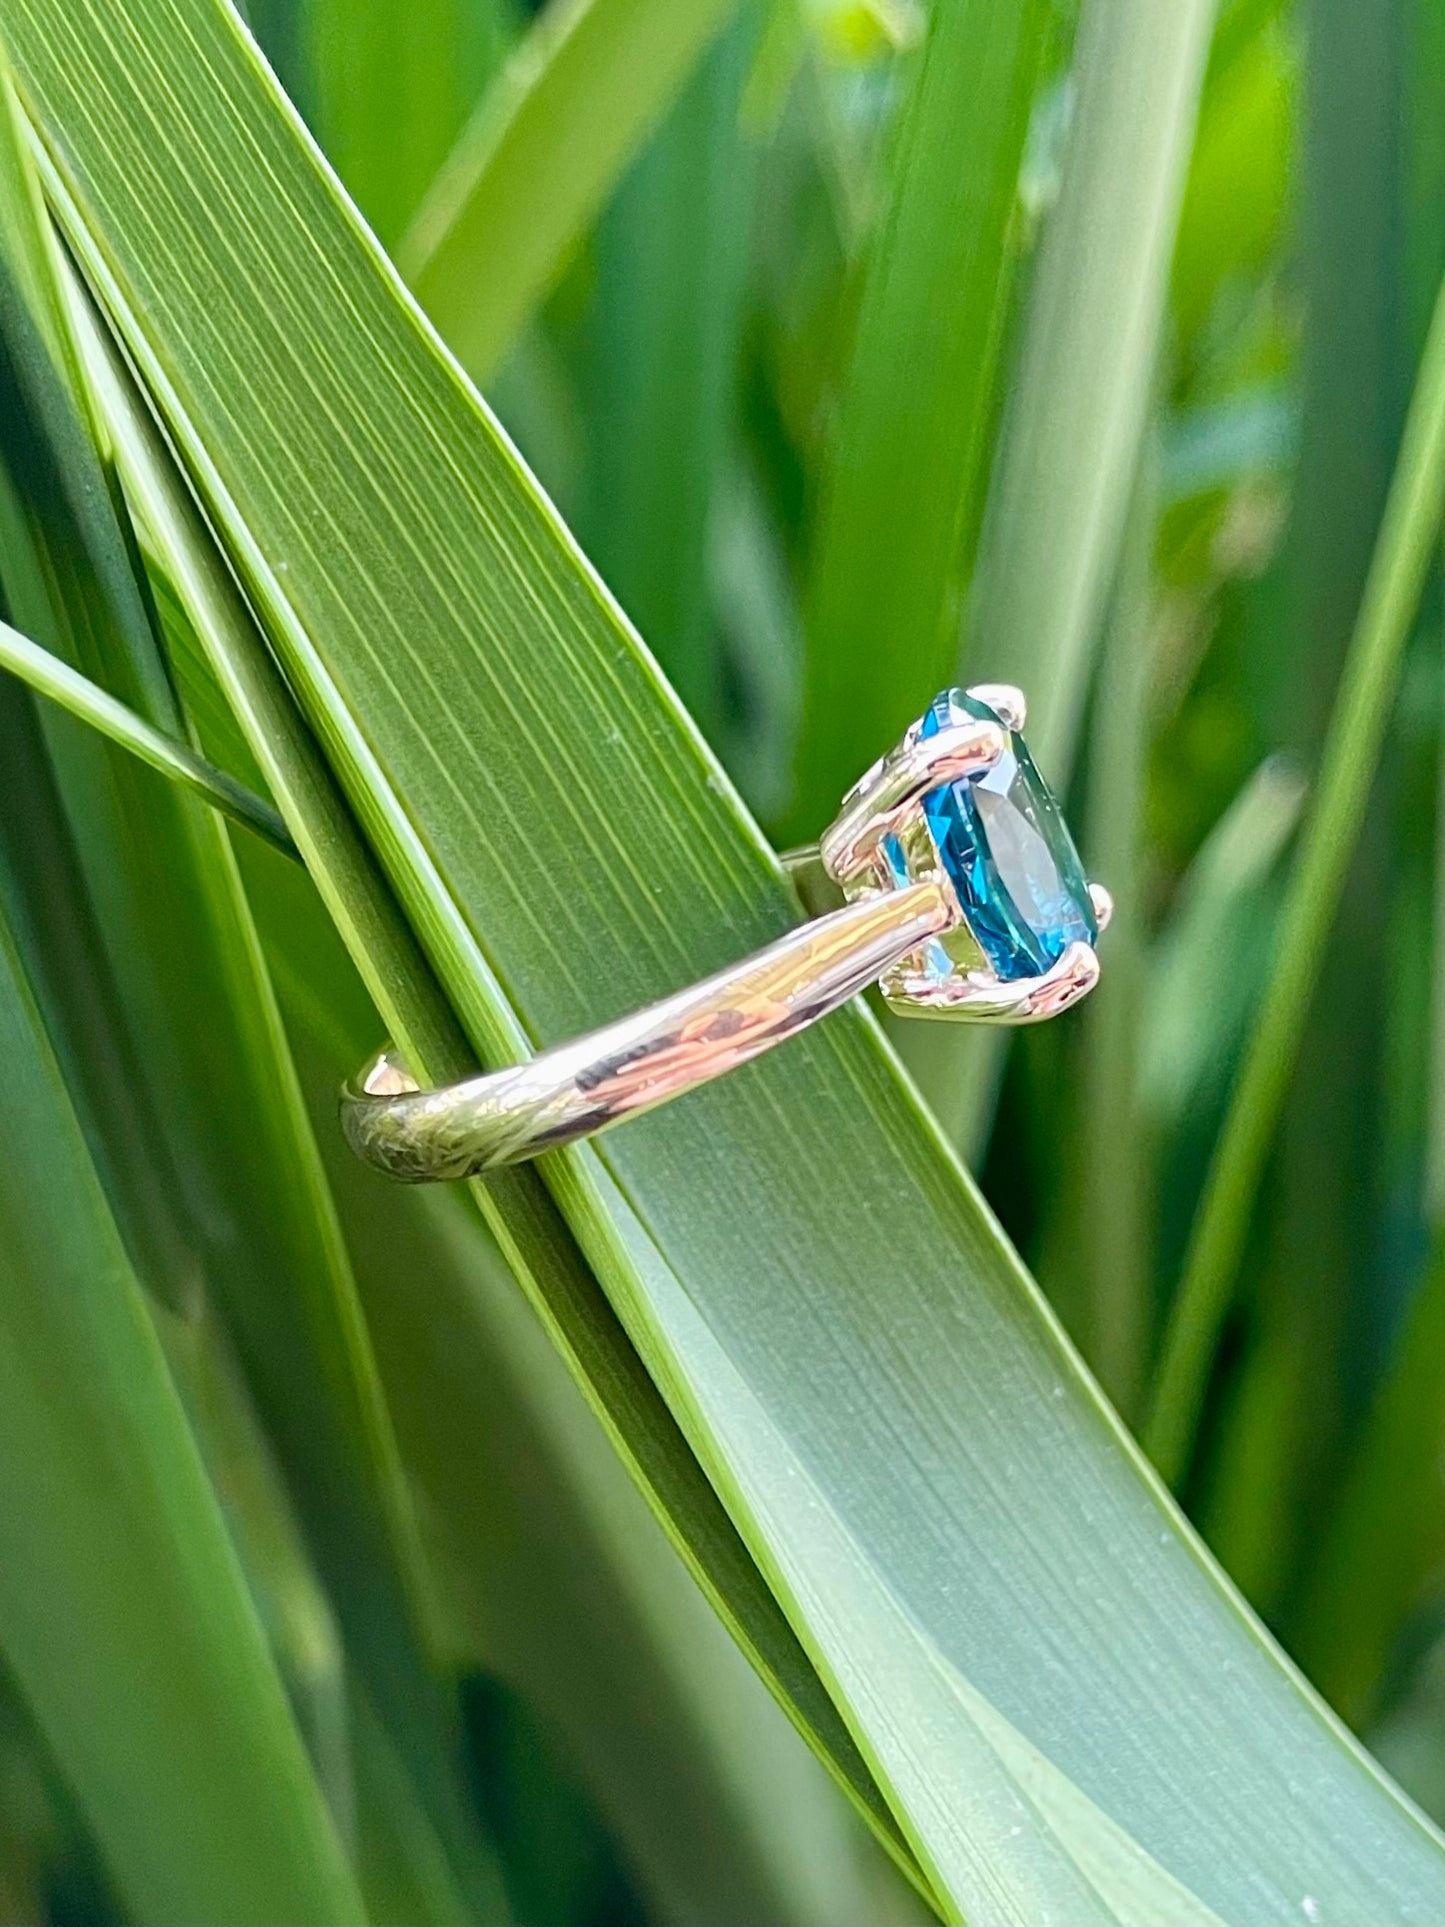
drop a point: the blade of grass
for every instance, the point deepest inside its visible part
(238, 1194)
(538, 1246)
(537, 160)
(55, 929)
(903, 491)
(1352, 748)
(932, 1489)
(164, 876)
(1425, 175)
(1118, 1153)
(1408, 1736)
(405, 1872)
(1385, 1542)
(1237, 195)
(722, 1813)
(1377, 1564)
(1079, 403)
(295, 1614)
(48, 676)
(1433, 1186)
(1195, 1021)
(1319, 1301)
(662, 367)
(1382, 1533)
(117, 1580)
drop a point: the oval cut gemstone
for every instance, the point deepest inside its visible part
(1008, 852)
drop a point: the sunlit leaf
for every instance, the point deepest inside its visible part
(929, 1485)
(918, 403)
(536, 161)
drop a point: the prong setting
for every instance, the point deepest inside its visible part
(1005, 699)
(895, 786)
(884, 838)
(979, 997)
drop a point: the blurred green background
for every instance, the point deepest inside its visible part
(875, 342)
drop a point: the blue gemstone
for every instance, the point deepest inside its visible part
(1008, 852)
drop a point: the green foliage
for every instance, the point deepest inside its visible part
(124, 1527)
(48, 675)
(901, 490)
(538, 157)
(1392, 595)
(417, 75)
(715, 1523)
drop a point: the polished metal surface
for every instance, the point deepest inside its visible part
(580, 1088)
(890, 793)
(911, 938)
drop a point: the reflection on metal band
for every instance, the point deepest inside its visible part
(579, 1088)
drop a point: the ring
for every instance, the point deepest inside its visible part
(965, 900)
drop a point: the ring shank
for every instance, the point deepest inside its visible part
(579, 1088)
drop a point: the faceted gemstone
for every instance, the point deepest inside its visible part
(1008, 852)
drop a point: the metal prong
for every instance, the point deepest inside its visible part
(1103, 905)
(1005, 699)
(979, 999)
(897, 784)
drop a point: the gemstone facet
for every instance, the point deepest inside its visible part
(1007, 851)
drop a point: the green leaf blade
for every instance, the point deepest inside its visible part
(664, 323)
(392, 91)
(404, 990)
(48, 676)
(904, 491)
(923, 1475)
(537, 159)
(1349, 759)
(209, 1156)
(1070, 441)
(207, 1808)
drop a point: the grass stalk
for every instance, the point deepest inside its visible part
(538, 158)
(1070, 442)
(1351, 755)
(64, 686)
